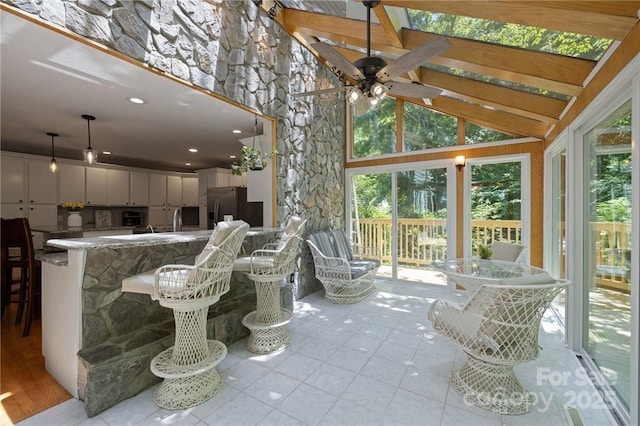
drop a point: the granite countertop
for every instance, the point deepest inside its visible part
(58, 259)
(64, 229)
(141, 240)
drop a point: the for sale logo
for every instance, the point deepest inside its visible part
(568, 388)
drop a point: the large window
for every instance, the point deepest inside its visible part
(424, 128)
(374, 132)
(496, 198)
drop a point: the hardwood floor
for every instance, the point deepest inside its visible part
(25, 386)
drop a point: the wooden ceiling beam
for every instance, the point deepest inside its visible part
(628, 49)
(393, 32)
(566, 73)
(537, 69)
(514, 101)
(531, 13)
(607, 7)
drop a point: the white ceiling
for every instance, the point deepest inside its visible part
(49, 80)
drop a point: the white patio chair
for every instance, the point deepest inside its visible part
(497, 328)
(268, 267)
(345, 273)
(188, 367)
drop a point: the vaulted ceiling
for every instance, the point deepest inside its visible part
(512, 88)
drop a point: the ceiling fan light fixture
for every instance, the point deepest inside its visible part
(89, 155)
(378, 90)
(354, 95)
(373, 100)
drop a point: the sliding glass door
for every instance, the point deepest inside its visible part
(405, 212)
(608, 252)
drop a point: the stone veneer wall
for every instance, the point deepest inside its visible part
(234, 50)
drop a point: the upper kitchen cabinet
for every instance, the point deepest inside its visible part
(139, 189)
(71, 183)
(13, 180)
(117, 187)
(96, 186)
(43, 185)
(174, 191)
(190, 191)
(218, 178)
(157, 190)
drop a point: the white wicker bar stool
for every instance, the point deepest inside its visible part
(268, 268)
(188, 367)
(497, 328)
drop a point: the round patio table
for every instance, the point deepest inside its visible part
(472, 273)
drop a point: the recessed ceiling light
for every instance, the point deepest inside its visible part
(232, 156)
(106, 152)
(237, 131)
(187, 164)
(136, 101)
(193, 149)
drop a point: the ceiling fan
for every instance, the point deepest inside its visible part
(374, 76)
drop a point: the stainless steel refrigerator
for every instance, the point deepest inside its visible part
(232, 200)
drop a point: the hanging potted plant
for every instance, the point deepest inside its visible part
(252, 158)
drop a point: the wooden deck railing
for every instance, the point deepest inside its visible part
(422, 241)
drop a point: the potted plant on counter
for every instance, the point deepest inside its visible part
(74, 208)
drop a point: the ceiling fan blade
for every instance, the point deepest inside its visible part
(321, 91)
(412, 90)
(338, 61)
(412, 59)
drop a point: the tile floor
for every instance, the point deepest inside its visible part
(378, 362)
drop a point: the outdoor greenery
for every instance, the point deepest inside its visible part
(496, 187)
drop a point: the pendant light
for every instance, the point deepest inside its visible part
(53, 164)
(89, 155)
(257, 164)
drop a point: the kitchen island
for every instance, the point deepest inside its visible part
(97, 341)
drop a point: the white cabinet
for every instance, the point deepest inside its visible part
(189, 191)
(13, 180)
(117, 187)
(218, 178)
(139, 191)
(157, 190)
(71, 183)
(174, 191)
(12, 210)
(165, 190)
(43, 185)
(96, 186)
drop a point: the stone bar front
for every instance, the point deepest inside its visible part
(97, 341)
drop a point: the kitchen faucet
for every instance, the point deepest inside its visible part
(151, 228)
(177, 219)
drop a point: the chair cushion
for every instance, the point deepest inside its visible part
(532, 279)
(243, 264)
(505, 251)
(290, 230)
(359, 267)
(169, 282)
(343, 245)
(325, 241)
(141, 283)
